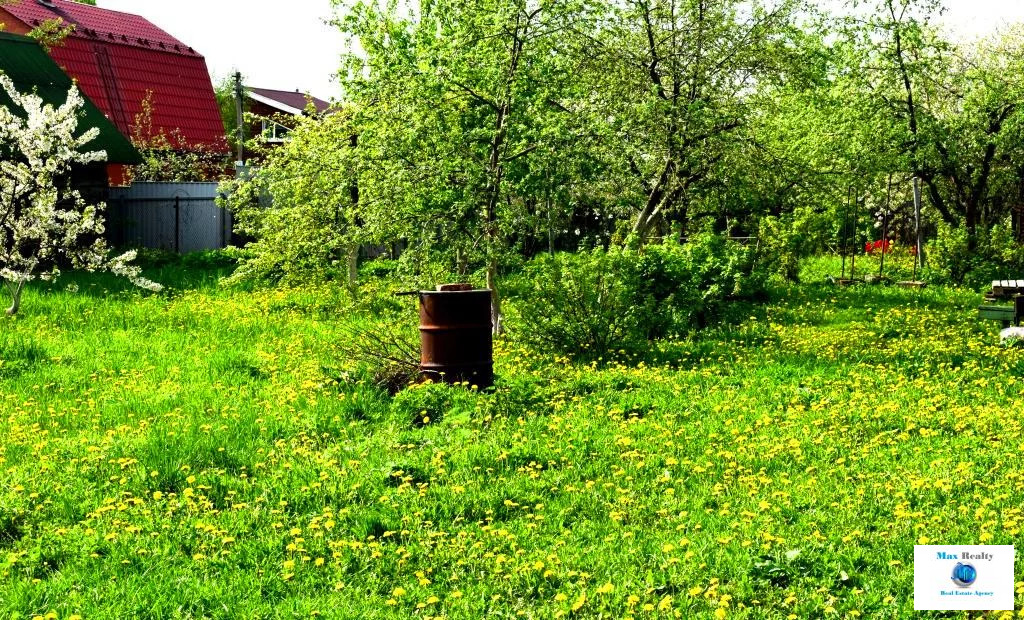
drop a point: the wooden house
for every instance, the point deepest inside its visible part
(145, 81)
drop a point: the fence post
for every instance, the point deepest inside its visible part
(177, 225)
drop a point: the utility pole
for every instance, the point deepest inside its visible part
(240, 132)
(919, 258)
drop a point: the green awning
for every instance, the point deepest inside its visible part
(31, 69)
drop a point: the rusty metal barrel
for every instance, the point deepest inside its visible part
(455, 334)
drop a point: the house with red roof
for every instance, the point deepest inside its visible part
(125, 64)
(272, 110)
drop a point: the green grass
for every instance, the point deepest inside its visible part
(212, 452)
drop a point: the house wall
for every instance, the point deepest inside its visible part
(262, 110)
(12, 24)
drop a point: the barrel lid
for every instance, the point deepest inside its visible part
(456, 291)
(451, 288)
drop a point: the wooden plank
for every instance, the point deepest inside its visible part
(996, 313)
(1005, 284)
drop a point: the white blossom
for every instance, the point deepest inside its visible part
(43, 221)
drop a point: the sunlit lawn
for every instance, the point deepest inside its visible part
(213, 452)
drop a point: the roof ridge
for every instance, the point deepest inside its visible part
(304, 93)
(102, 24)
(92, 7)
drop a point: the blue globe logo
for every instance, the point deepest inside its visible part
(964, 574)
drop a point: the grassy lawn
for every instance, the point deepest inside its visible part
(213, 452)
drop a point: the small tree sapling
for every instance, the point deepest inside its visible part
(44, 222)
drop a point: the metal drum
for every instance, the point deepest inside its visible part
(455, 335)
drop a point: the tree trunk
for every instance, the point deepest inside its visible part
(16, 289)
(654, 206)
(492, 283)
(353, 265)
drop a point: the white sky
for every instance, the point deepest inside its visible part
(287, 45)
(283, 45)
(980, 17)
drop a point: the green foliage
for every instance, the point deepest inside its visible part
(429, 402)
(597, 303)
(150, 258)
(170, 157)
(51, 32)
(302, 207)
(209, 259)
(993, 254)
(224, 91)
(480, 133)
(583, 304)
(783, 240)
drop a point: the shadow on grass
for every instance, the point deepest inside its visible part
(174, 279)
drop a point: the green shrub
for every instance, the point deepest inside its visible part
(996, 256)
(689, 284)
(783, 241)
(592, 304)
(583, 304)
(378, 268)
(425, 403)
(153, 257)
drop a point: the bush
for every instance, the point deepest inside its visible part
(378, 268)
(783, 241)
(209, 259)
(690, 284)
(591, 304)
(425, 403)
(582, 304)
(996, 256)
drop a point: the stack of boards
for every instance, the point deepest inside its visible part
(1004, 289)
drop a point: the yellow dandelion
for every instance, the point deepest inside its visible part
(580, 602)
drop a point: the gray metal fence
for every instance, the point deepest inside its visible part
(180, 217)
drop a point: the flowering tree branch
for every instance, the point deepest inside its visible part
(43, 221)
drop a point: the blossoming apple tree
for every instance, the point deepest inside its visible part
(44, 222)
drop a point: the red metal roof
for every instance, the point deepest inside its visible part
(291, 99)
(118, 57)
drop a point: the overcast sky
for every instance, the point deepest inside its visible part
(287, 45)
(282, 45)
